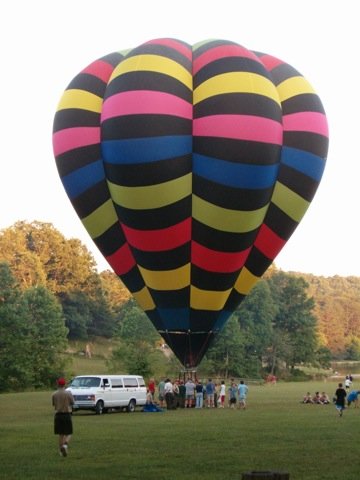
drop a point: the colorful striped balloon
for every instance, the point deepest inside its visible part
(190, 167)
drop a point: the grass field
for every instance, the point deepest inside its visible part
(275, 433)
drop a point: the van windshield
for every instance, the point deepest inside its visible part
(85, 382)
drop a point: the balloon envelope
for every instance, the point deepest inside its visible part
(190, 167)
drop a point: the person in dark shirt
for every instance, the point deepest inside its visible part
(340, 396)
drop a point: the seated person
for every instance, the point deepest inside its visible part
(316, 398)
(324, 398)
(307, 398)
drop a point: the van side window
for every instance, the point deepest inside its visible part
(116, 383)
(105, 382)
(141, 382)
(130, 382)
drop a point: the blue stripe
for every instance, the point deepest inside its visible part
(237, 175)
(145, 150)
(175, 318)
(305, 162)
(222, 319)
(82, 179)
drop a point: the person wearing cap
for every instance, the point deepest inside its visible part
(63, 401)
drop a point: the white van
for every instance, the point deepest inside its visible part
(102, 392)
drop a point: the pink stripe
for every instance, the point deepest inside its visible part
(70, 138)
(242, 127)
(99, 69)
(145, 101)
(222, 51)
(314, 122)
(270, 62)
(169, 42)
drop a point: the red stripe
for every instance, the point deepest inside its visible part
(268, 242)
(159, 240)
(270, 62)
(222, 51)
(215, 261)
(99, 69)
(169, 42)
(122, 261)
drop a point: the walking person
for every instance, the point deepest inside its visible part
(243, 391)
(62, 401)
(340, 396)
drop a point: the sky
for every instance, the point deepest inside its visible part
(45, 44)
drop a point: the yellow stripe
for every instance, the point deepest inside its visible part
(293, 86)
(154, 63)
(152, 196)
(289, 202)
(236, 82)
(167, 279)
(100, 219)
(144, 299)
(245, 281)
(226, 220)
(80, 99)
(208, 299)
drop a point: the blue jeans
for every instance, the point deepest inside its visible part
(199, 400)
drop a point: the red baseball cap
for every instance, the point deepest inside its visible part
(61, 381)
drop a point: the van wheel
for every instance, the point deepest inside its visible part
(99, 408)
(131, 406)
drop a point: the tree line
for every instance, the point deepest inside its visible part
(51, 292)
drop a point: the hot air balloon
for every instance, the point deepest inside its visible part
(190, 167)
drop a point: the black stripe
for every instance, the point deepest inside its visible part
(113, 58)
(257, 263)
(298, 182)
(133, 280)
(88, 83)
(229, 197)
(307, 141)
(171, 298)
(141, 126)
(72, 160)
(155, 218)
(282, 72)
(227, 65)
(279, 222)
(74, 117)
(215, 281)
(241, 151)
(164, 260)
(306, 102)
(144, 80)
(239, 104)
(222, 241)
(234, 300)
(111, 240)
(91, 199)
(136, 175)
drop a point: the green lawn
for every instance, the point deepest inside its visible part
(275, 433)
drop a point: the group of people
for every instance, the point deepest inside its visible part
(318, 398)
(197, 394)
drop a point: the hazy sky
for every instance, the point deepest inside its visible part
(45, 44)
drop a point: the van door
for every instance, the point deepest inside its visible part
(105, 392)
(118, 393)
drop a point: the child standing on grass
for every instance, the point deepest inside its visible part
(63, 401)
(340, 396)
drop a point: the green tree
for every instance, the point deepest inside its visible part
(294, 318)
(47, 335)
(15, 369)
(134, 356)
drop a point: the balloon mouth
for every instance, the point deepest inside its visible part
(188, 346)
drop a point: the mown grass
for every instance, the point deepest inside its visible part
(275, 433)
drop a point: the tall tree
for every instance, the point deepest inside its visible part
(295, 317)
